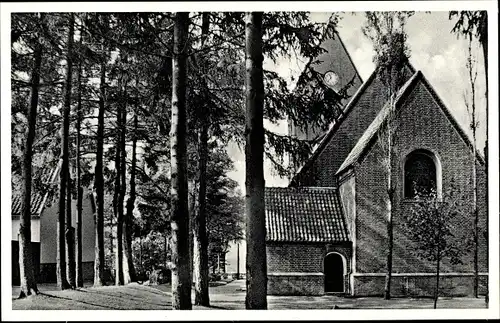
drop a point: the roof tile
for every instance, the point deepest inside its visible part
(304, 214)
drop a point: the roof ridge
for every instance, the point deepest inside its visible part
(369, 133)
(465, 137)
(330, 188)
(335, 125)
(348, 107)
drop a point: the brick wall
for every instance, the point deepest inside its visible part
(418, 286)
(297, 269)
(322, 172)
(422, 126)
(294, 257)
(296, 284)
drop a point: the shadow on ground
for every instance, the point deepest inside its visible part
(229, 296)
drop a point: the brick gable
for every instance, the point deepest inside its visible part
(423, 123)
(321, 168)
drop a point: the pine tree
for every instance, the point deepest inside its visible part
(181, 284)
(26, 266)
(254, 166)
(99, 176)
(64, 170)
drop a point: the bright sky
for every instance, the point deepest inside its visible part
(434, 50)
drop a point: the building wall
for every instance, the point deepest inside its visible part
(35, 229)
(295, 257)
(422, 125)
(298, 268)
(48, 227)
(322, 171)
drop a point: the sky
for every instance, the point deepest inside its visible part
(434, 50)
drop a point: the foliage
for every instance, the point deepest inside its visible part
(429, 225)
(471, 23)
(386, 31)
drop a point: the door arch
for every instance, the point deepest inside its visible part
(335, 271)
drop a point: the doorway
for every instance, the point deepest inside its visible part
(334, 273)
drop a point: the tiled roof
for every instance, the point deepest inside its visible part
(373, 128)
(304, 214)
(38, 199)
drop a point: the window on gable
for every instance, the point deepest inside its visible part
(419, 174)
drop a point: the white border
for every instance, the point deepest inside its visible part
(492, 312)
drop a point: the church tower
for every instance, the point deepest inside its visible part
(337, 70)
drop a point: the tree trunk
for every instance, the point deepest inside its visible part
(438, 258)
(69, 232)
(118, 200)
(70, 239)
(181, 284)
(238, 261)
(484, 44)
(26, 266)
(130, 208)
(200, 238)
(474, 179)
(123, 184)
(79, 197)
(390, 192)
(99, 184)
(63, 175)
(141, 268)
(254, 164)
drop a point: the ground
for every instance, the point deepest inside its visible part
(227, 296)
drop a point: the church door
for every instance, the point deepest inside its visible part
(334, 273)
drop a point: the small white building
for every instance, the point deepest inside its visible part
(44, 214)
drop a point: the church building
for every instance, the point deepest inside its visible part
(326, 231)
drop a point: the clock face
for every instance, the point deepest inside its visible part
(331, 79)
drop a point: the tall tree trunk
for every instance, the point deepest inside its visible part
(484, 44)
(26, 266)
(254, 164)
(130, 207)
(200, 238)
(63, 175)
(123, 189)
(118, 200)
(472, 111)
(181, 284)
(79, 197)
(99, 184)
(69, 232)
(393, 81)
(70, 236)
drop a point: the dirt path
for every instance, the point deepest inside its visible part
(230, 296)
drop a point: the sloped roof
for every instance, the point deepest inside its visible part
(364, 142)
(38, 199)
(335, 126)
(304, 214)
(373, 128)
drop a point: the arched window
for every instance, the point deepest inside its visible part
(420, 174)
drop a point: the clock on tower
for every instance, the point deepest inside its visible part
(331, 79)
